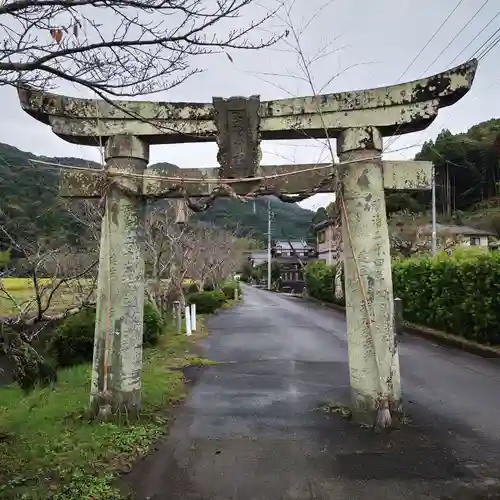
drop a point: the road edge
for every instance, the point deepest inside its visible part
(425, 332)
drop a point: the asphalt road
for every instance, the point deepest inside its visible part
(251, 428)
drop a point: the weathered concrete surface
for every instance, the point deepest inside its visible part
(237, 121)
(403, 175)
(402, 108)
(373, 356)
(249, 429)
(117, 360)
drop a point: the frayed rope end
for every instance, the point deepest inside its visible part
(384, 418)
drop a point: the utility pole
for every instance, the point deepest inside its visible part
(434, 232)
(269, 244)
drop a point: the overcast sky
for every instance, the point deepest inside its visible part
(376, 41)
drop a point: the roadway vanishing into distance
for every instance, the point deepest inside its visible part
(253, 427)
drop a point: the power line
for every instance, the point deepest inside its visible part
(431, 39)
(474, 39)
(456, 36)
(493, 45)
(495, 42)
(394, 136)
(485, 43)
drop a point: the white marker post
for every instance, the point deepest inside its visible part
(193, 317)
(187, 317)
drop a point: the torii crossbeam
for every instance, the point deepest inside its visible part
(278, 180)
(358, 120)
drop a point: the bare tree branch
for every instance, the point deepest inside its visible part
(175, 252)
(121, 47)
(53, 271)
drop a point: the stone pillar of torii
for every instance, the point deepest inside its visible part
(358, 120)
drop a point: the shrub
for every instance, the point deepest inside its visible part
(153, 325)
(320, 282)
(192, 288)
(459, 294)
(30, 368)
(73, 341)
(229, 288)
(207, 302)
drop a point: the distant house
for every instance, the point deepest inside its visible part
(328, 245)
(287, 248)
(292, 256)
(457, 235)
(257, 257)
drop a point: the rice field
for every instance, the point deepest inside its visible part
(19, 293)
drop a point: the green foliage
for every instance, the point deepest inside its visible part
(73, 341)
(229, 288)
(48, 450)
(290, 220)
(4, 258)
(320, 215)
(459, 294)
(320, 282)
(30, 369)
(467, 163)
(30, 206)
(192, 288)
(207, 302)
(399, 201)
(246, 272)
(260, 273)
(275, 271)
(153, 325)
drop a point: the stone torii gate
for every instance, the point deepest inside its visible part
(358, 120)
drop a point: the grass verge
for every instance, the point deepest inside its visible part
(49, 450)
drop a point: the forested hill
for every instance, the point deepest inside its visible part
(467, 178)
(30, 206)
(467, 165)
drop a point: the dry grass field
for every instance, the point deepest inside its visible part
(19, 293)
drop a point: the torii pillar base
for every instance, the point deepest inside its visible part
(117, 362)
(373, 357)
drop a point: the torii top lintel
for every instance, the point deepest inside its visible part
(402, 108)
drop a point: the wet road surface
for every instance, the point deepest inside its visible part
(251, 428)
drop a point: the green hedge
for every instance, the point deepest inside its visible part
(320, 282)
(190, 288)
(73, 341)
(458, 294)
(207, 302)
(229, 287)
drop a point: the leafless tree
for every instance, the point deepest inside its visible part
(408, 238)
(168, 254)
(53, 269)
(53, 274)
(60, 283)
(405, 235)
(175, 252)
(121, 47)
